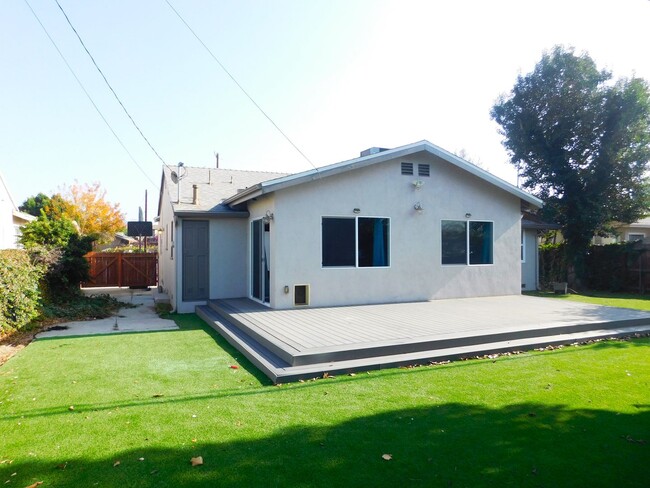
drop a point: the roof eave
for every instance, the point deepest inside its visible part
(234, 214)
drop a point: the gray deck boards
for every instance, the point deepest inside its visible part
(304, 341)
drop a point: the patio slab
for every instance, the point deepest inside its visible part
(141, 318)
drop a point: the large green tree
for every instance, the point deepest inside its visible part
(581, 142)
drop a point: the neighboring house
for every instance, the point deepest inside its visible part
(119, 240)
(531, 229)
(635, 231)
(406, 224)
(11, 219)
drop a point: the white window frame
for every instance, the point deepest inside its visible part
(356, 241)
(629, 234)
(467, 256)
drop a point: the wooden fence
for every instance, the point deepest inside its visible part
(122, 269)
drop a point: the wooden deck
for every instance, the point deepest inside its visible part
(303, 343)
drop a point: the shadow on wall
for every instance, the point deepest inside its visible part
(445, 445)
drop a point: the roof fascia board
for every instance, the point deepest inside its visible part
(211, 215)
(314, 174)
(336, 168)
(481, 173)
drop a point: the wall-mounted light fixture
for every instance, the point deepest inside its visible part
(356, 210)
(468, 215)
(418, 207)
(417, 184)
(268, 216)
(286, 289)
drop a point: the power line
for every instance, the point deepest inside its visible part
(239, 85)
(108, 84)
(88, 95)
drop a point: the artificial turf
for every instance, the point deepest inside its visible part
(144, 404)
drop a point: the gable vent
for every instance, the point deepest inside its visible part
(407, 168)
(423, 170)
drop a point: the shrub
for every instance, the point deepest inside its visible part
(19, 293)
(552, 264)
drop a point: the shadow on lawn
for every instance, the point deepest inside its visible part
(446, 445)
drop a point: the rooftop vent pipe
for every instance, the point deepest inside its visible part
(195, 194)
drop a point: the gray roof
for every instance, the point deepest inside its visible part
(530, 220)
(214, 185)
(264, 187)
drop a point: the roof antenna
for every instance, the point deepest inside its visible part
(176, 177)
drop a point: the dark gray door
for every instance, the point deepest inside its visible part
(196, 250)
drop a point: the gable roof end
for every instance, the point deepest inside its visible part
(266, 187)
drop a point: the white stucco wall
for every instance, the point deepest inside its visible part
(529, 266)
(228, 258)
(166, 250)
(415, 271)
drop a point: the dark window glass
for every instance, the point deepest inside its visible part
(480, 243)
(373, 242)
(338, 242)
(454, 242)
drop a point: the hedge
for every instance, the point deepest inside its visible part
(19, 291)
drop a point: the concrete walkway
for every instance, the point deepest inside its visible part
(141, 318)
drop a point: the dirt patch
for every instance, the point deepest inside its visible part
(10, 345)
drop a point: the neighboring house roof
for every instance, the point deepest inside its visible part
(214, 185)
(265, 187)
(22, 217)
(532, 221)
(19, 217)
(644, 222)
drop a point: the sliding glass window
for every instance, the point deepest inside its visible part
(467, 242)
(356, 242)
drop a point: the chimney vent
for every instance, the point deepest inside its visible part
(195, 194)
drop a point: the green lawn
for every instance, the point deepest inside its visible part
(578, 416)
(625, 300)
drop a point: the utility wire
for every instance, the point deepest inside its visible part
(239, 85)
(109, 85)
(88, 95)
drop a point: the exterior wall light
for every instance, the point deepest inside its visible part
(356, 210)
(268, 216)
(417, 184)
(286, 289)
(468, 215)
(418, 207)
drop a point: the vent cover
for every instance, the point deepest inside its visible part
(407, 168)
(300, 295)
(423, 169)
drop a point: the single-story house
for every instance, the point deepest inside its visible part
(11, 219)
(411, 223)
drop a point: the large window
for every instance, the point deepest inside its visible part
(356, 242)
(467, 242)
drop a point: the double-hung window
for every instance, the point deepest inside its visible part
(467, 242)
(361, 242)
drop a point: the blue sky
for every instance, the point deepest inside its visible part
(336, 76)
